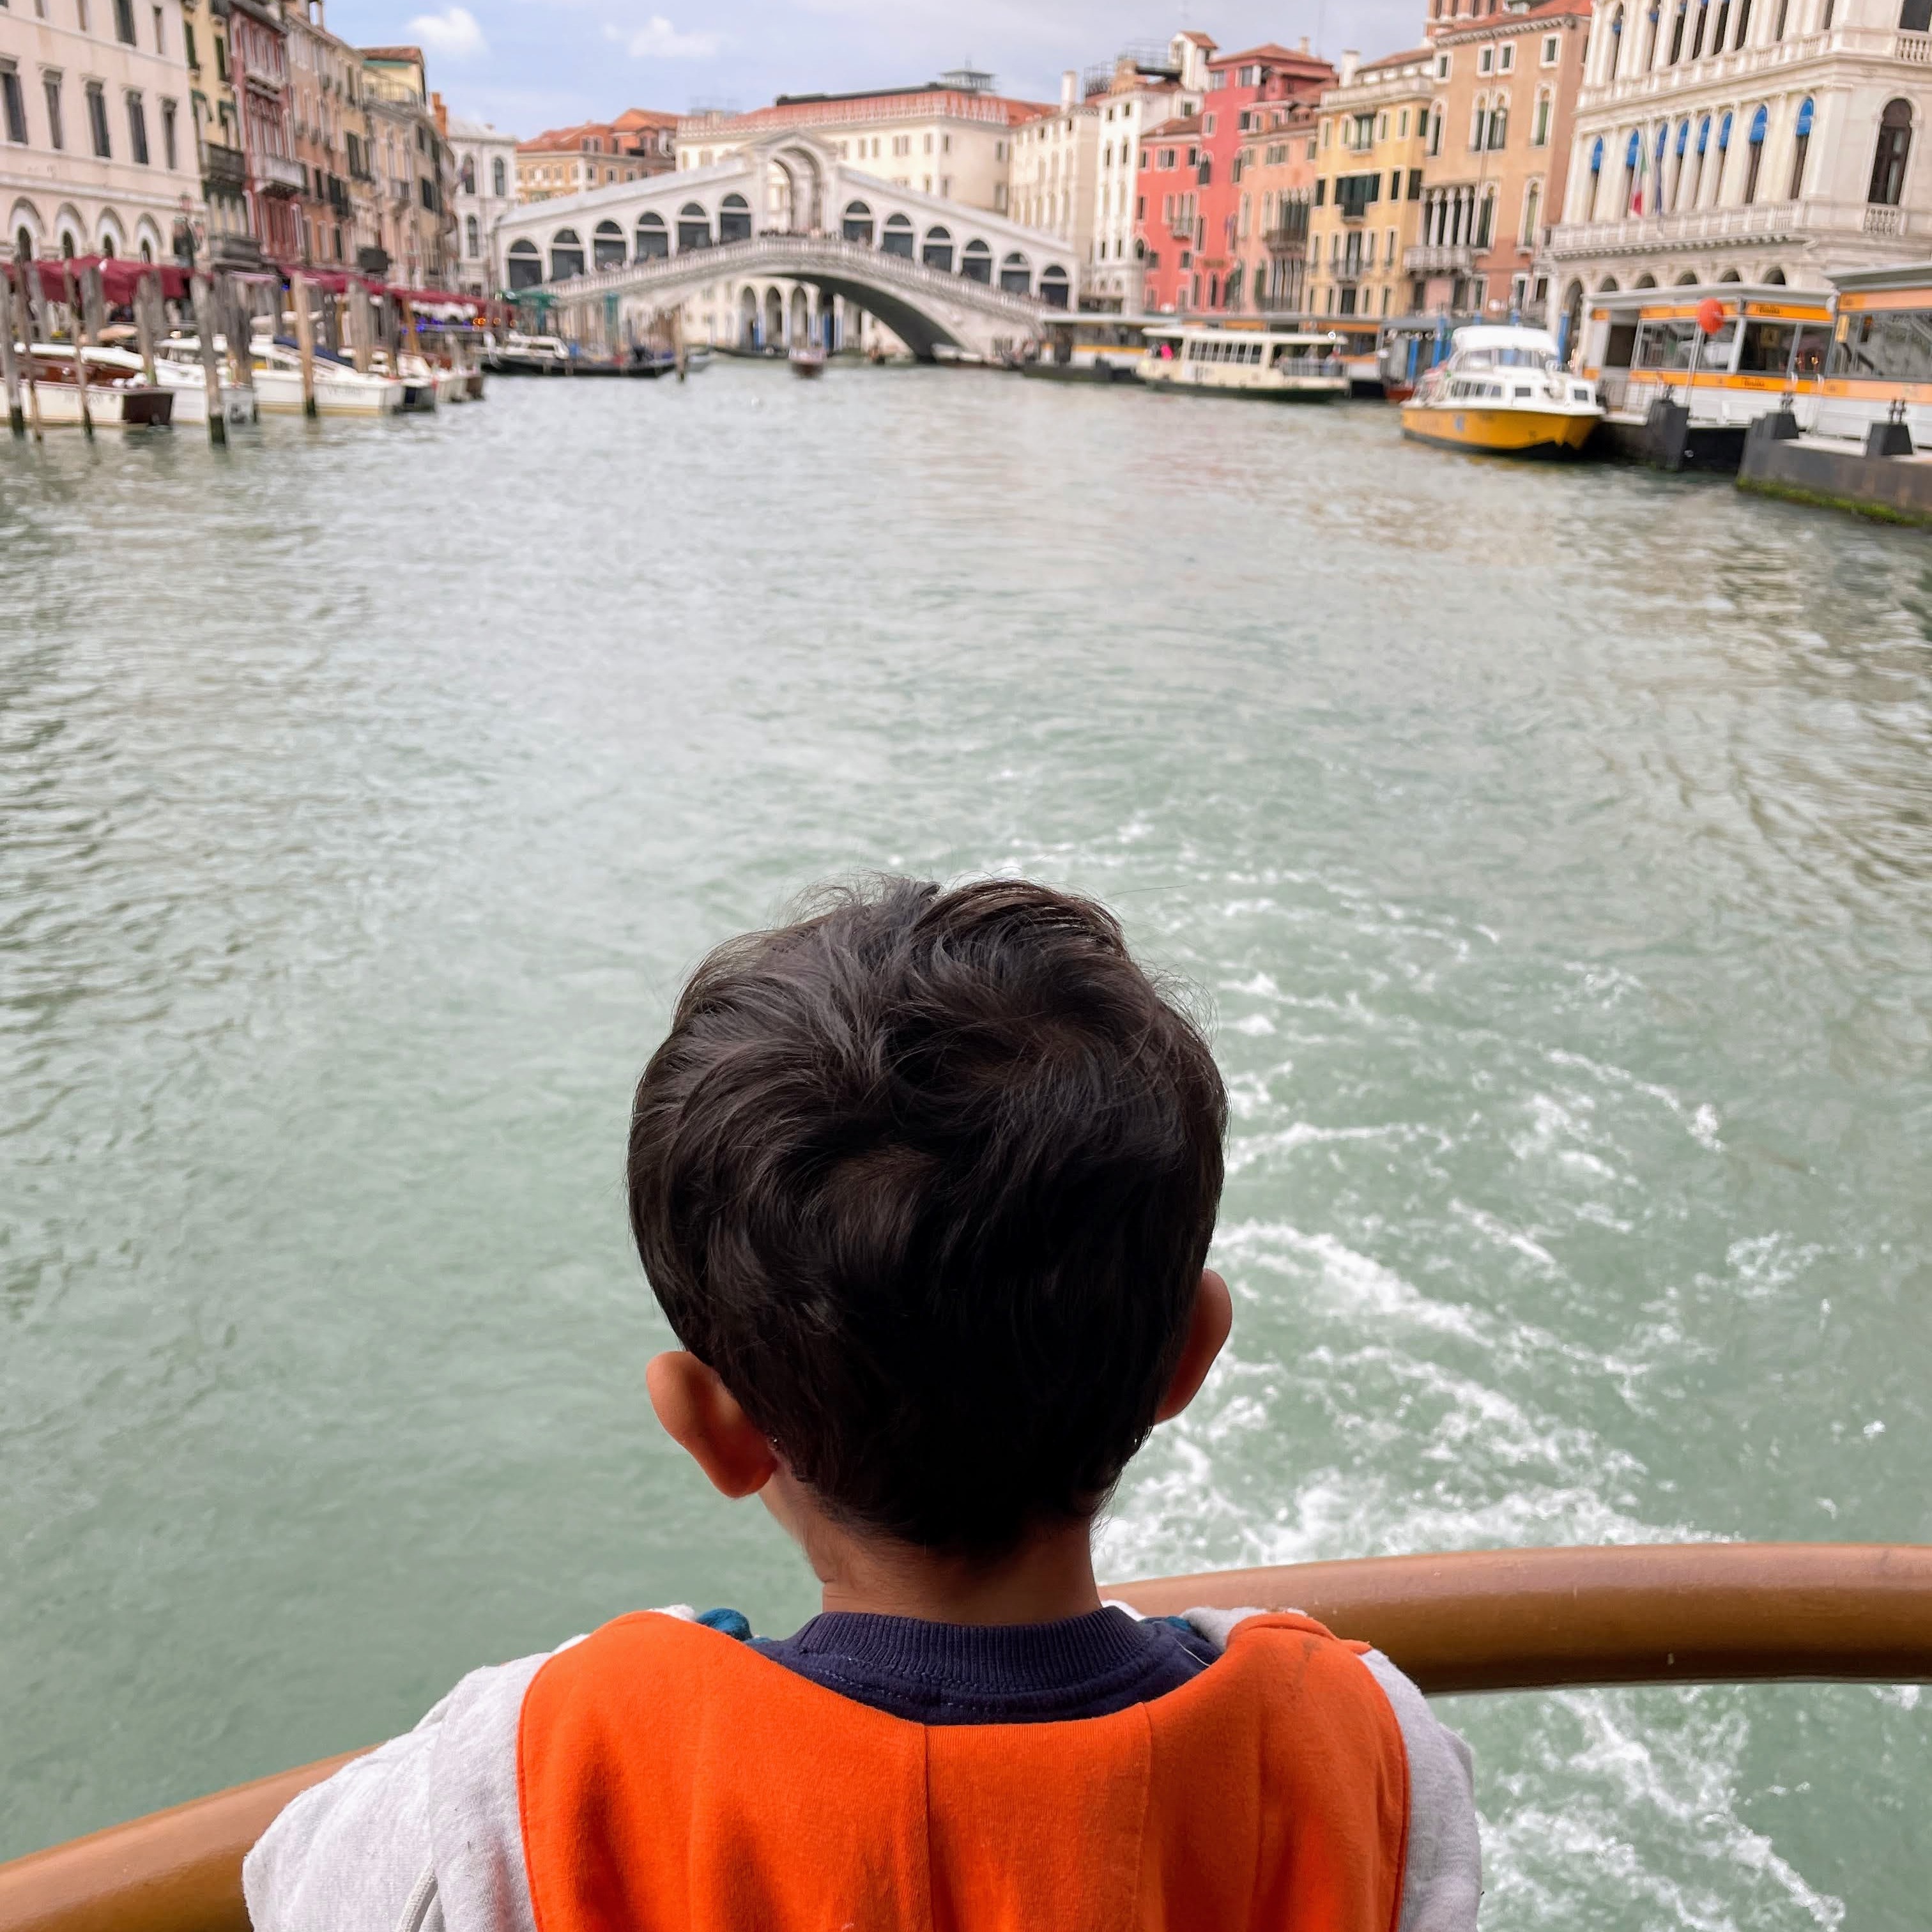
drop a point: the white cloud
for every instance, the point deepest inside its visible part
(453, 32)
(657, 39)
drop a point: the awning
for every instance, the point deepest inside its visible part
(119, 277)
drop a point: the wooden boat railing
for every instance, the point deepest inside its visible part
(1475, 1620)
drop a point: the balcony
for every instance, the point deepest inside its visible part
(223, 170)
(1290, 239)
(1885, 221)
(1645, 234)
(1439, 259)
(280, 175)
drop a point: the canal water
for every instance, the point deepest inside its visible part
(1555, 848)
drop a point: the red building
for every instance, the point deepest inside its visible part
(1189, 207)
(258, 62)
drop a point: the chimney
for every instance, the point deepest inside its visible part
(1303, 47)
(1069, 89)
(1351, 59)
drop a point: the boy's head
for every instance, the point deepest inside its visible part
(927, 1179)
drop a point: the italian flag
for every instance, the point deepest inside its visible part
(1637, 180)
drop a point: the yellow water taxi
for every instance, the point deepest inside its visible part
(1503, 391)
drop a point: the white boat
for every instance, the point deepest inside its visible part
(1503, 391)
(452, 384)
(117, 398)
(340, 389)
(808, 359)
(1244, 358)
(186, 381)
(521, 355)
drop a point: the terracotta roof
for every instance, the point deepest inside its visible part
(1270, 50)
(392, 54)
(633, 118)
(1188, 124)
(1402, 59)
(930, 97)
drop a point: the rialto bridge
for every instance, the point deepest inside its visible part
(738, 246)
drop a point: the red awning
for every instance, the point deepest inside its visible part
(119, 277)
(430, 297)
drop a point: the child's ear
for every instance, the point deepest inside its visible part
(702, 1417)
(1207, 1329)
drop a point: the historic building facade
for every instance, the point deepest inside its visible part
(641, 142)
(96, 135)
(1277, 174)
(1372, 141)
(1144, 88)
(1055, 159)
(258, 63)
(409, 159)
(484, 183)
(1190, 232)
(1497, 162)
(1753, 140)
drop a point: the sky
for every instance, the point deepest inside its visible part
(530, 64)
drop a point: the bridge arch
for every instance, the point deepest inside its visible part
(976, 262)
(566, 255)
(734, 219)
(1016, 274)
(693, 227)
(857, 222)
(524, 263)
(896, 237)
(798, 192)
(936, 251)
(607, 245)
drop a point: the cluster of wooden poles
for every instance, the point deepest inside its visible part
(222, 306)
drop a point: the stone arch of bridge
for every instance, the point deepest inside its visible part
(800, 170)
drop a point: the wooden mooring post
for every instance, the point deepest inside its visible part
(304, 339)
(77, 329)
(147, 304)
(9, 363)
(29, 293)
(202, 297)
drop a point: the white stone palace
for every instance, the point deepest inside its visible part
(1754, 140)
(780, 240)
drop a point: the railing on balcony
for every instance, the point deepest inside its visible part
(1438, 258)
(1287, 237)
(223, 168)
(1768, 221)
(1888, 221)
(280, 175)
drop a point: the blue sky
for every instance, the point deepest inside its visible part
(528, 64)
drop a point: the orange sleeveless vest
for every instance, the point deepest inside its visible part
(672, 1780)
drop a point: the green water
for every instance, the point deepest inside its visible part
(1556, 847)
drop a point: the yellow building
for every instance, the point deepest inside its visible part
(1370, 146)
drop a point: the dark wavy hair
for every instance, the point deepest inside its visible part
(928, 1178)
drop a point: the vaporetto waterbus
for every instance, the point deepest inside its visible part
(1245, 358)
(1645, 347)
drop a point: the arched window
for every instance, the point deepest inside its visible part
(566, 255)
(1894, 149)
(498, 184)
(1016, 276)
(1645, 282)
(1596, 176)
(651, 241)
(1609, 287)
(858, 223)
(1744, 22)
(734, 219)
(606, 246)
(1773, 278)
(1499, 122)
(147, 250)
(1053, 286)
(1677, 32)
(936, 251)
(1633, 164)
(897, 239)
(1801, 146)
(69, 247)
(693, 227)
(525, 264)
(22, 240)
(1717, 31)
(976, 262)
(1697, 31)
(469, 174)
(471, 237)
(1760, 122)
(1615, 44)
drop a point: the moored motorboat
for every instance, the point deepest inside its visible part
(116, 397)
(807, 359)
(1503, 391)
(184, 381)
(521, 355)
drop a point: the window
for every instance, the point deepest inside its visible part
(161, 38)
(1250, 76)
(566, 255)
(1552, 50)
(1801, 146)
(97, 120)
(901, 145)
(1207, 126)
(56, 130)
(1506, 58)
(471, 239)
(651, 240)
(15, 103)
(496, 175)
(1760, 122)
(220, 57)
(1442, 66)
(1485, 60)
(124, 21)
(1532, 205)
(1167, 157)
(168, 148)
(187, 41)
(468, 175)
(1894, 149)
